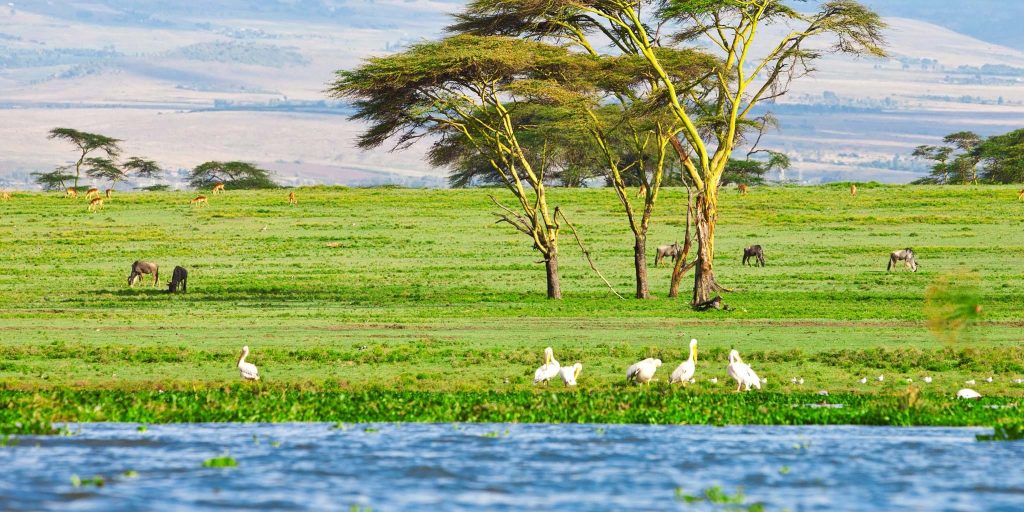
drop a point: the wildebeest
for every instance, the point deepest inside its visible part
(754, 251)
(144, 267)
(906, 255)
(671, 251)
(179, 278)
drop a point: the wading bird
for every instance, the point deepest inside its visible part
(968, 394)
(549, 369)
(881, 378)
(927, 380)
(643, 372)
(863, 380)
(969, 382)
(685, 371)
(248, 370)
(742, 372)
(571, 373)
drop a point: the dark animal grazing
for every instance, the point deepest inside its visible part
(179, 278)
(144, 267)
(671, 251)
(906, 255)
(754, 251)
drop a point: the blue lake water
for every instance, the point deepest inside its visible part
(312, 466)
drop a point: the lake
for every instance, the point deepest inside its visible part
(315, 466)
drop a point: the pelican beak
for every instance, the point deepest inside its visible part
(576, 374)
(695, 354)
(547, 358)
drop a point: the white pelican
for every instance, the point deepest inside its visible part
(570, 373)
(795, 380)
(713, 380)
(863, 380)
(643, 371)
(685, 371)
(549, 369)
(927, 380)
(1018, 381)
(989, 380)
(881, 378)
(969, 382)
(742, 372)
(968, 394)
(764, 380)
(248, 370)
(693, 381)
(909, 380)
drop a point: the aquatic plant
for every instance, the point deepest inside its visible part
(96, 481)
(1012, 430)
(721, 499)
(224, 461)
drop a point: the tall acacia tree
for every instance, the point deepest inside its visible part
(748, 76)
(469, 87)
(87, 143)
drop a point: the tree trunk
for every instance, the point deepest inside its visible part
(679, 269)
(640, 262)
(705, 217)
(554, 282)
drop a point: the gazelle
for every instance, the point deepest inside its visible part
(853, 189)
(110, 193)
(641, 193)
(71, 193)
(6, 196)
(743, 189)
(91, 192)
(291, 198)
(1020, 197)
(218, 188)
(199, 200)
(95, 204)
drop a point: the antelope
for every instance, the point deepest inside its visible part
(71, 193)
(140, 267)
(91, 192)
(853, 189)
(110, 193)
(743, 189)
(6, 196)
(95, 204)
(1020, 197)
(200, 200)
(218, 188)
(291, 198)
(641, 192)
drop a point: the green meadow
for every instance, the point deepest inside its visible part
(418, 296)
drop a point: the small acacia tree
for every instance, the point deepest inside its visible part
(470, 88)
(54, 180)
(235, 175)
(87, 143)
(712, 122)
(104, 169)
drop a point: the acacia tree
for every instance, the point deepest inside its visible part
(239, 175)
(87, 143)
(104, 169)
(54, 180)
(470, 88)
(712, 123)
(956, 160)
(142, 168)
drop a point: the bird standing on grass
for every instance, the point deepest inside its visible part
(968, 394)
(248, 370)
(549, 369)
(571, 373)
(643, 372)
(685, 371)
(742, 372)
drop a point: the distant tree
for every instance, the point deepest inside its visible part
(234, 175)
(1002, 158)
(104, 169)
(142, 168)
(54, 180)
(86, 143)
(955, 162)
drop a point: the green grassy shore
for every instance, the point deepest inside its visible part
(392, 304)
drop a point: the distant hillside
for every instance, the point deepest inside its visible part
(993, 21)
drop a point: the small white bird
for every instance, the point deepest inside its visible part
(693, 381)
(989, 380)
(823, 393)
(969, 382)
(570, 373)
(1018, 381)
(685, 371)
(927, 380)
(968, 394)
(909, 380)
(881, 378)
(549, 369)
(742, 372)
(643, 371)
(248, 370)
(713, 380)
(764, 380)
(863, 380)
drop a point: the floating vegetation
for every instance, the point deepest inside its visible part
(721, 499)
(96, 481)
(494, 434)
(224, 461)
(142, 428)
(131, 473)
(1005, 431)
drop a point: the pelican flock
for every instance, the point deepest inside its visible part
(685, 371)
(248, 370)
(643, 371)
(549, 369)
(742, 372)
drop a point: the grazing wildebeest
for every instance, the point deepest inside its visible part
(180, 277)
(743, 189)
(754, 251)
(143, 267)
(906, 255)
(671, 251)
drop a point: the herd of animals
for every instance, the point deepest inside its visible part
(755, 254)
(96, 200)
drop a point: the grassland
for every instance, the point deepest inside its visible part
(418, 297)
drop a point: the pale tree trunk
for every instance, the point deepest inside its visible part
(705, 217)
(640, 263)
(680, 268)
(554, 281)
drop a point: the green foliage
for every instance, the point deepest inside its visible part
(234, 175)
(1002, 157)
(162, 187)
(1008, 430)
(96, 481)
(87, 143)
(223, 461)
(142, 168)
(53, 180)
(104, 169)
(967, 158)
(720, 499)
